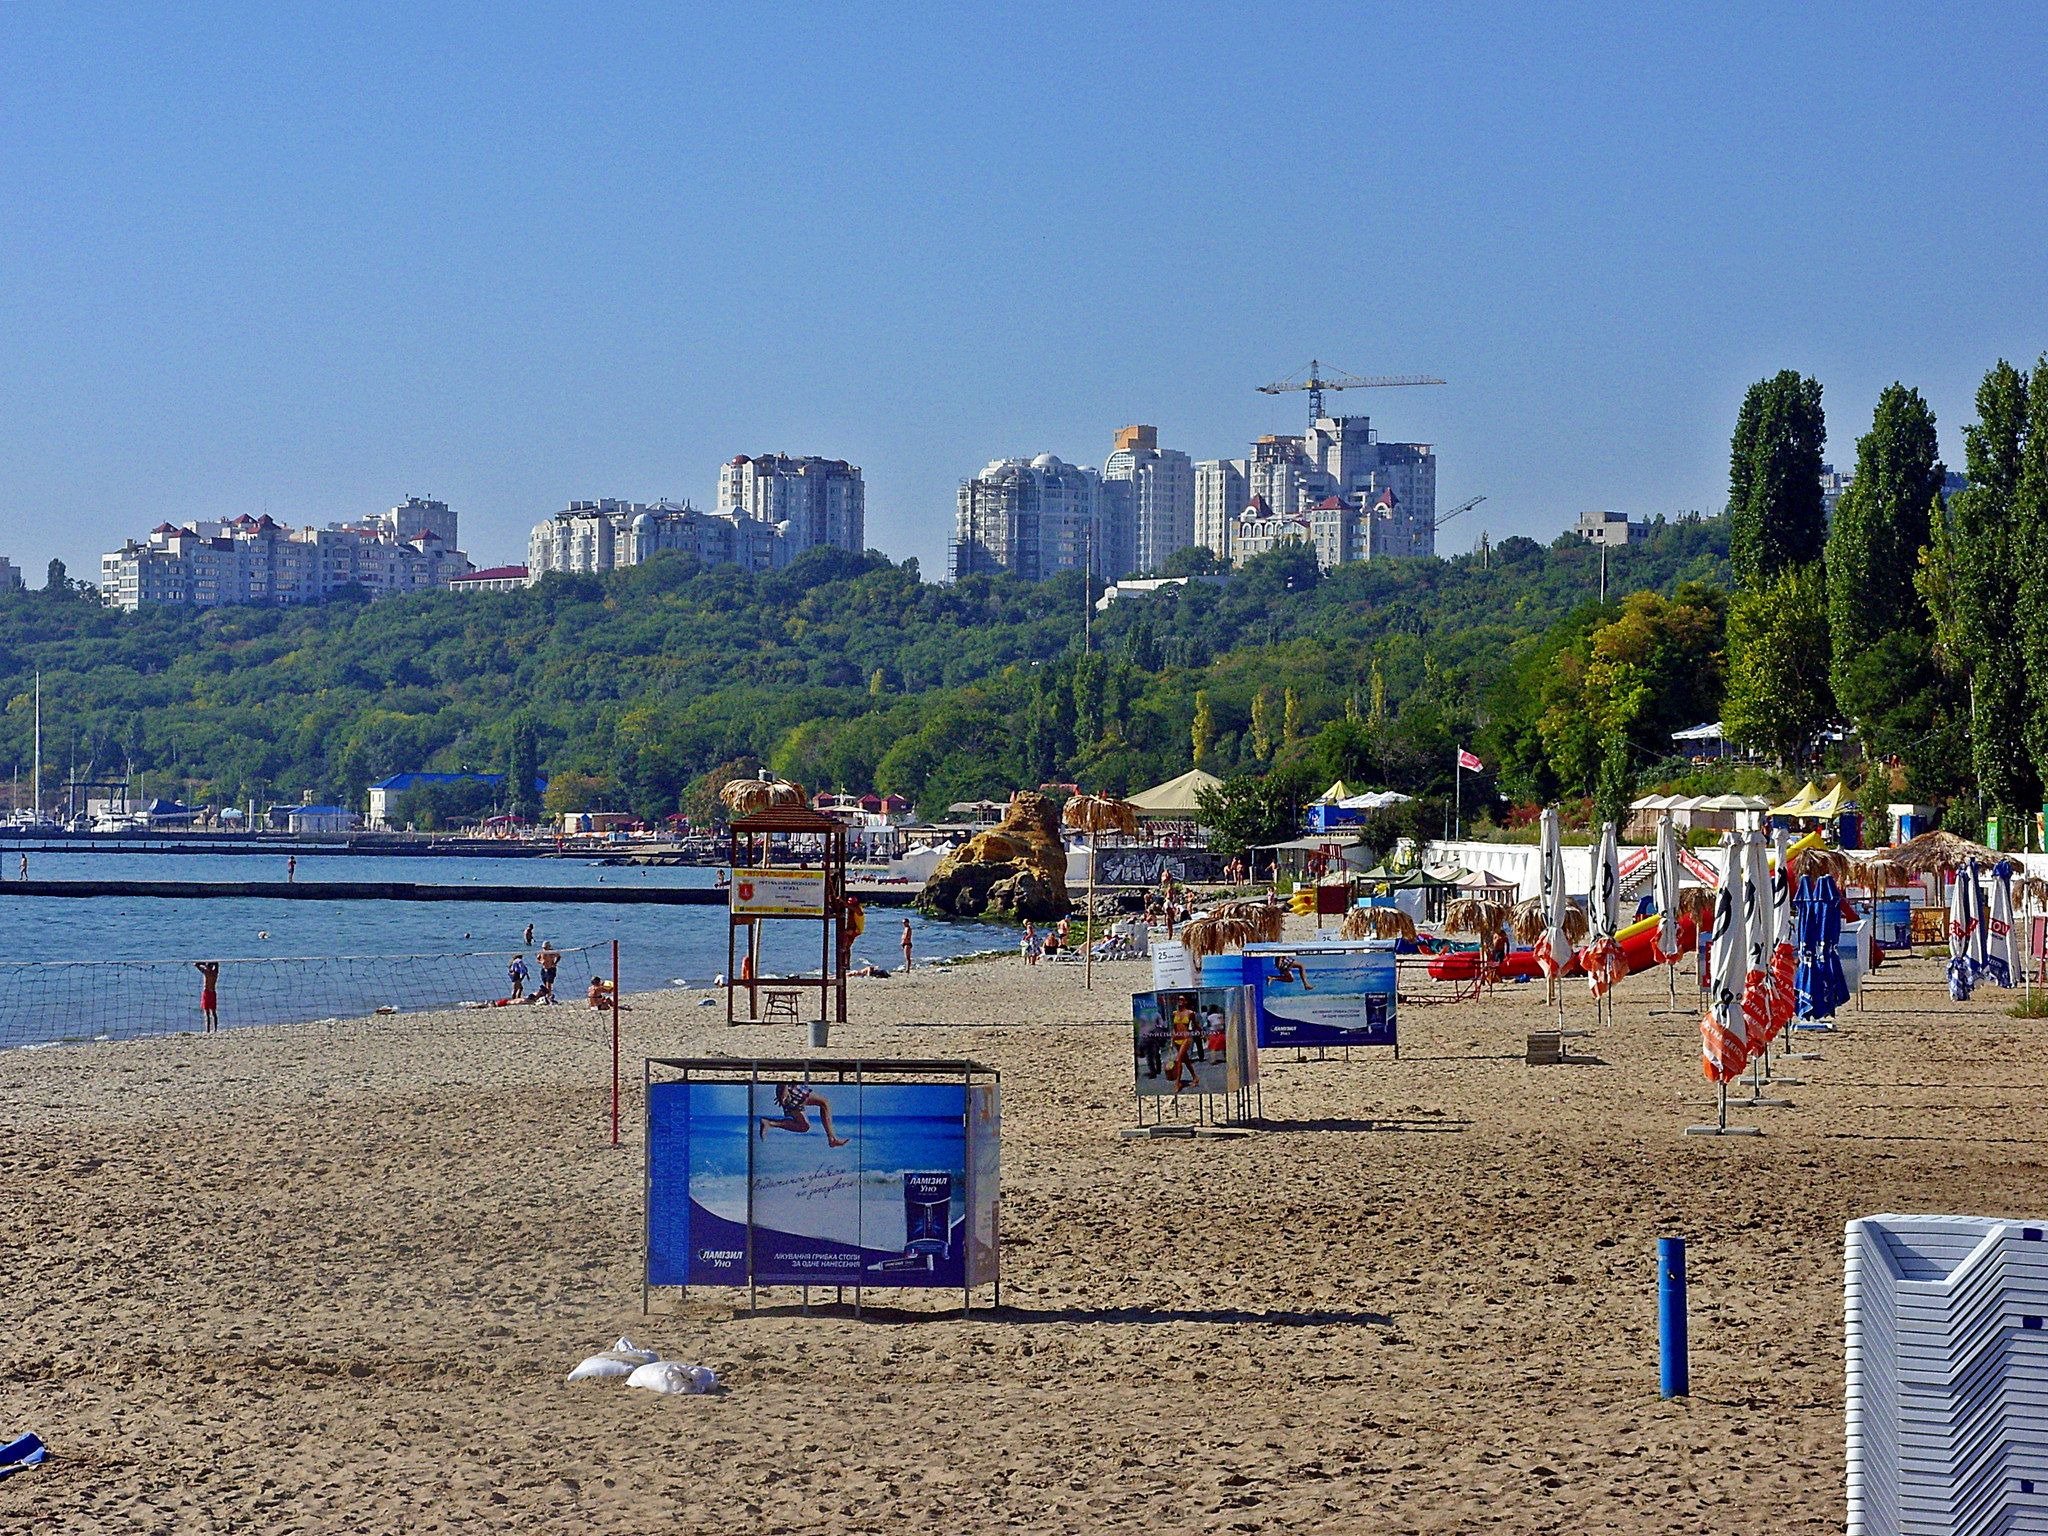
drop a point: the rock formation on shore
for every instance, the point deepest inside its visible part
(1017, 869)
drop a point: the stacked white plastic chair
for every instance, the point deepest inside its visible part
(1947, 1320)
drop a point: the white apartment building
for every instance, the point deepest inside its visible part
(1337, 486)
(1154, 489)
(1222, 492)
(1036, 518)
(258, 560)
(822, 501)
(605, 535)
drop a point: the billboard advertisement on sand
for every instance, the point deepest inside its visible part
(822, 1183)
(1325, 994)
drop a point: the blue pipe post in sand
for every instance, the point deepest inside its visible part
(1673, 1356)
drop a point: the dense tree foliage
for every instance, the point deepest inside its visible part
(1774, 496)
(652, 683)
(1779, 697)
(1973, 585)
(1885, 675)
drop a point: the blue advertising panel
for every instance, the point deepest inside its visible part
(1325, 994)
(812, 1183)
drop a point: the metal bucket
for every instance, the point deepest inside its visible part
(821, 1033)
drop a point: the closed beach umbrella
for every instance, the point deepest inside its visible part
(1668, 949)
(2001, 953)
(1784, 940)
(1834, 985)
(1821, 986)
(1553, 948)
(1980, 927)
(1722, 1048)
(1806, 925)
(1962, 976)
(1750, 858)
(1603, 962)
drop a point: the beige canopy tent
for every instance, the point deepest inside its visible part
(1336, 792)
(1176, 799)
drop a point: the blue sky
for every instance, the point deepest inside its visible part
(313, 258)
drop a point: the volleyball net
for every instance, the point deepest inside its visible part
(71, 1001)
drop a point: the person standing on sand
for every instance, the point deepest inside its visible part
(516, 973)
(549, 960)
(209, 995)
(906, 950)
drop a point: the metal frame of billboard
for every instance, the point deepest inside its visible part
(752, 1072)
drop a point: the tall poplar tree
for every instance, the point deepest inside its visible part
(1774, 503)
(2030, 546)
(1778, 652)
(1973, 584)
(1884, 672)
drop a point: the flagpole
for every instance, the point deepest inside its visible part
(1458, 771)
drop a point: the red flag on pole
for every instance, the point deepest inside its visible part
(1469, 763)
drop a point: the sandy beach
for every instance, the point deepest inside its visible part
(330, 1279)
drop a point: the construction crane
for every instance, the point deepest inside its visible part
(1465, 506)
(1317, 381)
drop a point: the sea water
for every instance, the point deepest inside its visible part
(659, 946)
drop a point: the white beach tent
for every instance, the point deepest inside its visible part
(1176, 799)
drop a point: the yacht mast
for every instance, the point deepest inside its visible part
(35, 772)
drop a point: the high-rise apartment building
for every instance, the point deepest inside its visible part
(606, 535)
(1035, 518)
(1153, 490)
(1337, 486)
(1222, 492)
(823, 501)
(261, 561)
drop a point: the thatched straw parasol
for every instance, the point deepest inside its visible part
(1826, 861)
(1377, 923)
(1529, 922)
(1269, 918)
(1100, 813)
(1092, 814)
(1940, 853)
(743, 797)
(1213, 935)
(1877, 875)
(1485, 920)
(1697, 903)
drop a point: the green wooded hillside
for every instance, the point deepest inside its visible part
(643, 685)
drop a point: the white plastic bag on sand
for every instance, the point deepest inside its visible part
(622, 1359)
(673, 1376)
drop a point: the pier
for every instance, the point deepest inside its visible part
(392, 890)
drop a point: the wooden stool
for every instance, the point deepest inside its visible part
(781, 1009)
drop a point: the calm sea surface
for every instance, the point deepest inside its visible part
(659, 946)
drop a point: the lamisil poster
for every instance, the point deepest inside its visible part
(1325, 994)
(779, 892)
(820, 1183)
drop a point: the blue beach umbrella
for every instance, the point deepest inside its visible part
(1818, 986)
(1830, 957)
